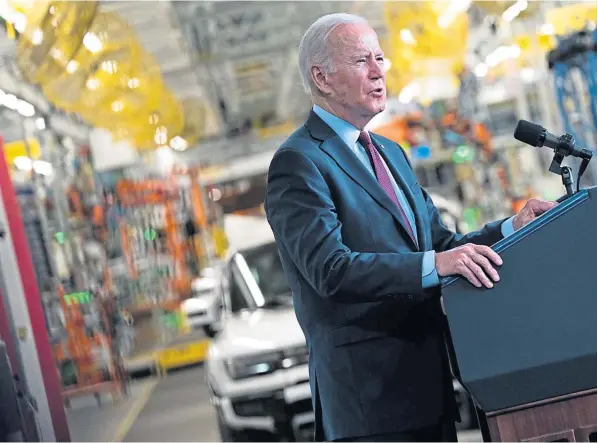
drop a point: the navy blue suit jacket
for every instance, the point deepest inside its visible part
(377, 358)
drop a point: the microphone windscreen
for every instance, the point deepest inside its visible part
(529, 133)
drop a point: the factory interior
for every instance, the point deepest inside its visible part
(142, 293)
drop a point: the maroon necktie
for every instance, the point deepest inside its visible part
(382, 176)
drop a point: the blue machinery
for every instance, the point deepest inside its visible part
(573, 62)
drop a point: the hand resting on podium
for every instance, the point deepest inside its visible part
(477, 262)
(532, 209)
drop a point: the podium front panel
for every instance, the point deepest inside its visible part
(533, 336)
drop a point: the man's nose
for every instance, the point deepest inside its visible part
(376, 69)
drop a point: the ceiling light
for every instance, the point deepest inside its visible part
(57, 54)
(409, 92)
(37, 37)
(5, 9)
(161, 136)
(40, 123)
(547, 29)
(92, 43)
(118, 106)
(502, 53)
(454, 8)
(160, 139)
(513, 51)
(42, 167)
(93, 84)
(215, 194)
(178, 143)
(110, 66)
(387, 64)
(19, 21)
(11, 101)
(72, 66)
(407, 37)
(133, 83)
(514, 10)
(25, 109)
(154, 118)
(23, 163)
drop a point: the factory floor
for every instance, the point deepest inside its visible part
(173, 408)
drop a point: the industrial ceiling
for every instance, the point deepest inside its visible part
(239, 57)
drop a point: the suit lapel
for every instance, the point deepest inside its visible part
(336, 148)
(399, 168)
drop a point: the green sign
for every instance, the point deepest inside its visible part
(172, 320)
(77, 298)
(150, 234)
(59, 236)
(472, 217)
(463, 154)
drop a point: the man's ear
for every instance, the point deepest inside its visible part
(320, 79)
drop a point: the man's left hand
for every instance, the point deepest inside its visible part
(532, 209)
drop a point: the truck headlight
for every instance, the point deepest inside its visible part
(244, 367)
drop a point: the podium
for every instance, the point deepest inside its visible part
(525, 350)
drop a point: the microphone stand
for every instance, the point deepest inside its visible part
(563, 149)
(566, 173)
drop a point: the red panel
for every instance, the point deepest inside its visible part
(34, 304)
(5, 332)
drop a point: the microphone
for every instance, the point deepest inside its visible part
(537, 136)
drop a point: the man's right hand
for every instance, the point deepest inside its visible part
(474, 262)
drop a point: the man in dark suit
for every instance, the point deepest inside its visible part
(363, 247)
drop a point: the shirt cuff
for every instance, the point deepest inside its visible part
(429, 274)
(506, 228)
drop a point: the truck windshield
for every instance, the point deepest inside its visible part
(266, 267)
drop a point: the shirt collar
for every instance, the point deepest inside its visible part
(346, 131)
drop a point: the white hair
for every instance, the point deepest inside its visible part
(314, 50)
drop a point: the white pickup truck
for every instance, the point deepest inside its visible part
(204, 307)
(256, 367)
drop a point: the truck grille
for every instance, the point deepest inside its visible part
(301, 406)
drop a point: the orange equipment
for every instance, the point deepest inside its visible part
(408, 130)
(79, 349)
(473, 131)
(154, 192)
(478, 134)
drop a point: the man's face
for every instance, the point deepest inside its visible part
(357, 84)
